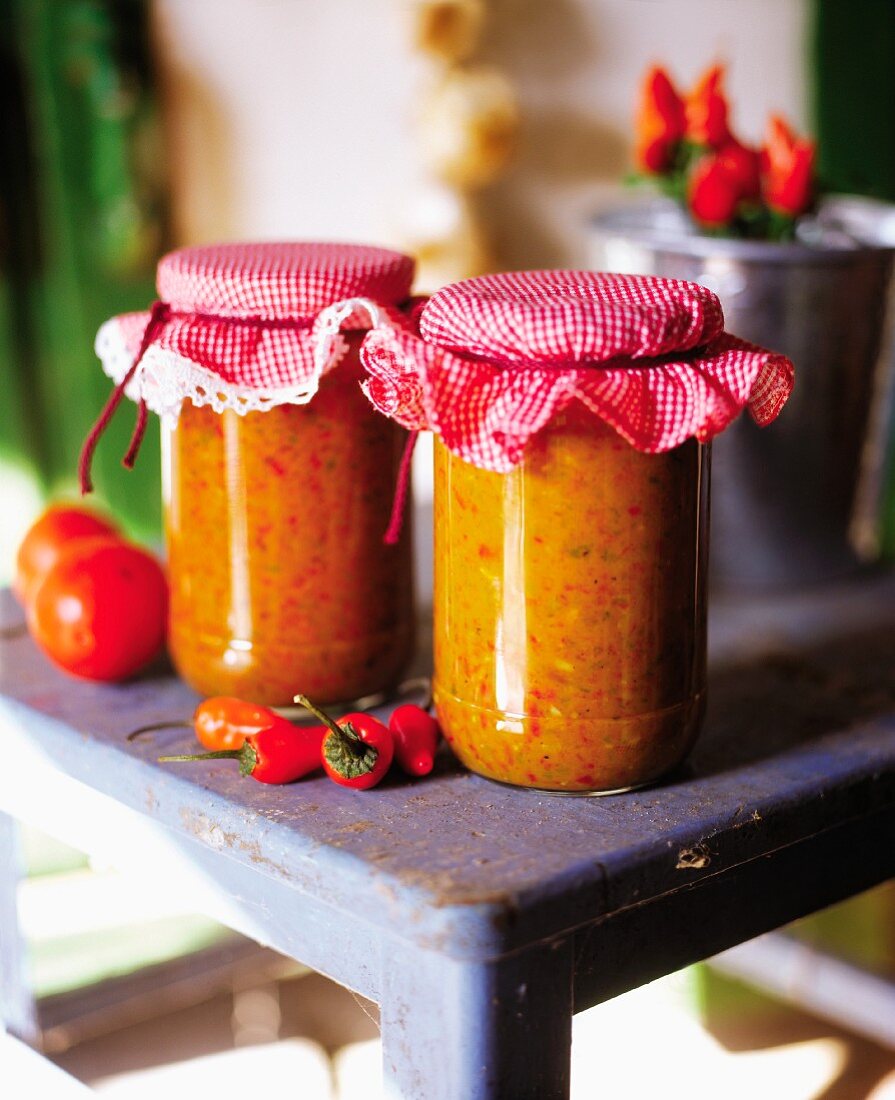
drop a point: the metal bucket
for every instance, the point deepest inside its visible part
(799, 501)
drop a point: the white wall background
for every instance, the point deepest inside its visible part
(288, 118)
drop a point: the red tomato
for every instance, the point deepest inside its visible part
(47, 537)
(101, 611)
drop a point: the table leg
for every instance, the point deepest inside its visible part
(18, 1012)
(454, 1030)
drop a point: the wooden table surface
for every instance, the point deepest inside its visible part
(481, 916)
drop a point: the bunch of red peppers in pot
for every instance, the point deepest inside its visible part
(685, 144)
(356, 751)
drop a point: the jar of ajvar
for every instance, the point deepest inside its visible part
(278, 476)
(572, 413)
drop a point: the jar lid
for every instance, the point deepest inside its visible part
(500, 355)
(280, 279)
(570, 318)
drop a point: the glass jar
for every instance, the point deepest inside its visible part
(570, 611)
(280, 580)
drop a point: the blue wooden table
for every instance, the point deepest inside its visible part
(481, 917)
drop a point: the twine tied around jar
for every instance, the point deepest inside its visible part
(402, 488)
(159, 315)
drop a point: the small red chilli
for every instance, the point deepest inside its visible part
(357, 751)
(416, 734)
(279, 753)
(224, 722)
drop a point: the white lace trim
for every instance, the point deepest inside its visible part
(165, 379)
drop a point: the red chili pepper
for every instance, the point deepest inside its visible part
(745, 165)
(357, 750)
(279, 753)
(224, 722)
(416, 733)
(706, 110)
(713, 192)
(660, 122)
(787, 169)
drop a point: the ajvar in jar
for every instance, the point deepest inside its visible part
(570, 614)
(281, 581)
(572, 412)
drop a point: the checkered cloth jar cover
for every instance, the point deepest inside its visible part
(244, 327)
(499, 355)
(250, 326)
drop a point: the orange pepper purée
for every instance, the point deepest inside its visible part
(570, 609)
(280, 581)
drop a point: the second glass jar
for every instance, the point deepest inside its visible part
(570, 608)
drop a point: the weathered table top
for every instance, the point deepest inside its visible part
(799, 740)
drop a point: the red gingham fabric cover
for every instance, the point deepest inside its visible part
(216, 285)
(570, 318)
(501, 354)
(291, 279)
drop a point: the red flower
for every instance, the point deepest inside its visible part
(706, 111)
(787, 166)
(660, 122)
(714, 191)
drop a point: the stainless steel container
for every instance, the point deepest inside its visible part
(796, 502)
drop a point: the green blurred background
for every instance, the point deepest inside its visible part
(82, 223)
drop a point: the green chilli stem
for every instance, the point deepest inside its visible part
(330, 724)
